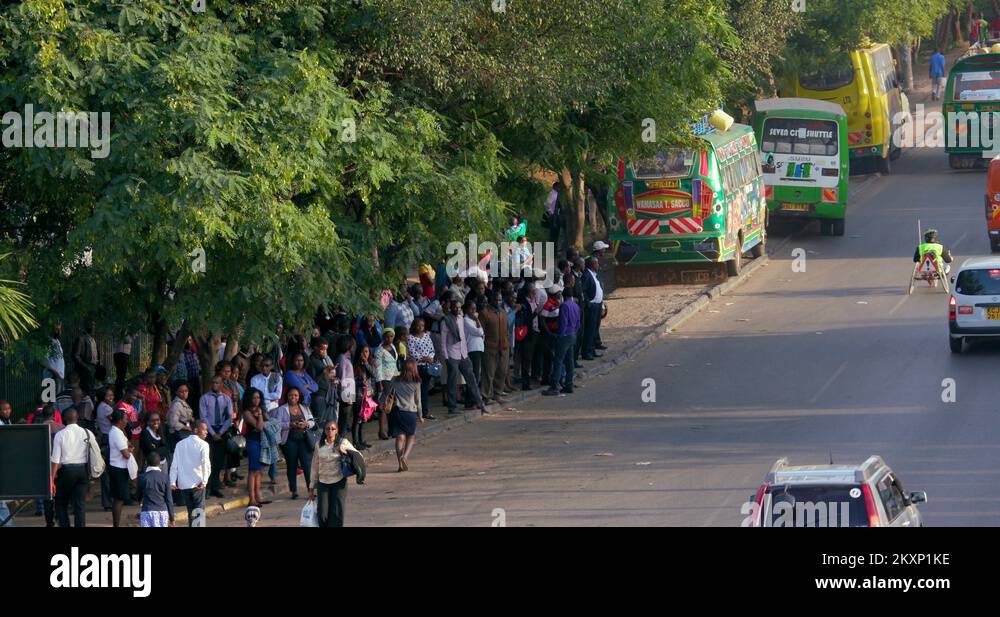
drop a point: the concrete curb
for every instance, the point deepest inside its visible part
(432, 428)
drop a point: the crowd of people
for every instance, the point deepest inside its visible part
(472, 339)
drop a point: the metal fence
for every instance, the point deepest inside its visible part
(21, 377)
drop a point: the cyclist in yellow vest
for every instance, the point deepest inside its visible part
(931, 245)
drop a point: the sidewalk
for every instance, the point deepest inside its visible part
(637, 318)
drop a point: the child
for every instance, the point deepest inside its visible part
(154, 494)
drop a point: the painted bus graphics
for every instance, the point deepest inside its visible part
(972, 107)
(692, 205)
(804, 147)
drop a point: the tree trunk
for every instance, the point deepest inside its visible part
(957, 22)
(905, 53)
(159, 341)
(208, 354)
(177, 348)
(916, 47)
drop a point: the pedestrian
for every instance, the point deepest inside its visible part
(105, 408)
(406, 414)
(937, 74)
(118, 465)
(164, 387)
(421, 349)
(254, 416)
(518, 228)
(526, 330)
(216, 408)
(477, 347)
(191, 470)
(84, 406)
(552, 214)
(47, 414)
(70, 479)
(548, 327)
(297, 377)
(330, 491)
(321, 368)
(296, 419)
(157, 509)
(85, 358)
(149, 393)
(153, 438)
(181, 416)
(130, 406)
(562, 360)
(496, 358)
(346, 386)
(269, 382)
(192, 369)
(120, 357)
(386, 368)
(593, 296)
(399, 313)
(55, 361)
(365, 387)
(456, 355)
(6, 413)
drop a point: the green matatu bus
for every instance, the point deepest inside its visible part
(692, 205)
(972, 93)
(805, 158)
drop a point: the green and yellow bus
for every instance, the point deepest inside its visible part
(803, 151)
(971, 99)
(692, 205)
(864, 83)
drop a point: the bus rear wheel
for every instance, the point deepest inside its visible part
(734, 265)
(825, 227)
(838, 227)
(885, 166)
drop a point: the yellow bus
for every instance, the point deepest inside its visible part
(864, 83)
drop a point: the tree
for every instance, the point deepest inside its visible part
(15, 310)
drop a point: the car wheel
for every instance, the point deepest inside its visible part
(839, 227)
(956, 344)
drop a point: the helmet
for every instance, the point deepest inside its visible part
(931, 235)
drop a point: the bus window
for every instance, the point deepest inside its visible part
(978, 86)
(801, 136)
(829, 75)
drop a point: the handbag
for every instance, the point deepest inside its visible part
(368, 407)
(388, 399)
(95, 462)
(346, 469)
(433, 369)
(236, 443)
(520, 333)
(133, 467)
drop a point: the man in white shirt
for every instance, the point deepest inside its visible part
(593, 298)
(269, 382)
(70, 475)
(190, 471)
(118, 464)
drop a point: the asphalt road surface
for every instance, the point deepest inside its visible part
(834, 361)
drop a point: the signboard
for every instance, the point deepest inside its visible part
(928, 266)
(24, 461)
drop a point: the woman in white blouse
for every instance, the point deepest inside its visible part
(421, 348)
(330, 485)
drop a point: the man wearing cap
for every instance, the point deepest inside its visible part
(562, 359)
(599, 247)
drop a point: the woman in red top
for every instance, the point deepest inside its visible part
(149, 394)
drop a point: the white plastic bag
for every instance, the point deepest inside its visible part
(133, 467)
(310, 515)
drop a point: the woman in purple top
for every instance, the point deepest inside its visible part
(297, 377)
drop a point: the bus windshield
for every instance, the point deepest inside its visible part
(674, 163)
(977, 86)
(829, 75)
(800, 136)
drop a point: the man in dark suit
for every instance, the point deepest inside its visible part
(593, 299)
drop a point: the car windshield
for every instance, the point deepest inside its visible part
(840, 505)
(800, 136)
(978, 86)
(978, 283)
(830, 74)
(674, 163)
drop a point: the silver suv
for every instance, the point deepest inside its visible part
(865, 495)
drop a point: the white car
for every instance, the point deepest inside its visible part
(974, 307)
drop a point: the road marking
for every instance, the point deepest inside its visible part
(960, 238)
(829, 382)
(899, 304)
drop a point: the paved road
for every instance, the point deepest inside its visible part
(836, 360)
